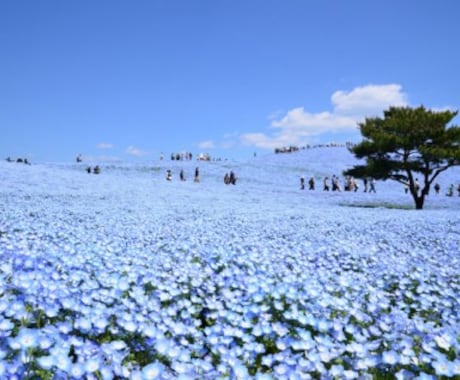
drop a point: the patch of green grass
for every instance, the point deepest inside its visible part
(386, 205)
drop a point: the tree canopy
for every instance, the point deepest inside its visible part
(407, 141)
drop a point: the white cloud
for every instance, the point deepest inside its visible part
(368, 100)
(208, 144)
(261, 140)
(229, 141)
(104, 145)
(306, 123)
(102, 158)
(133, 151)
(299, 127)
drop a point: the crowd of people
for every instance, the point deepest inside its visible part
(437, 188)
(329, 184)
(230, 178)
(333, 184)
(295, 148)
(184, 156)
(18, 160)
(196, 178)
(450, 190)
(95, 170)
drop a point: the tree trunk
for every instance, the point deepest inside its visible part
(419, 200)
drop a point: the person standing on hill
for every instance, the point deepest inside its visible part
(302, 183)
(311, 184)
(197, 174)
(335, 183)
(232, 178)
(372, 188)
(417, 185)
(326, 184)
(365, 184)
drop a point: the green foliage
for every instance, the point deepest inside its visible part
(407, 141)
(149, 288)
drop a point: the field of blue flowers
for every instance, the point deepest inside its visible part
(124, 275)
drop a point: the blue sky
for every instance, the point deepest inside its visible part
(128, 80)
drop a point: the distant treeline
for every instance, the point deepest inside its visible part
(294, 148)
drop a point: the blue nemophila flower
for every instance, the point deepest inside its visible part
(281, 370)
(162, 346)
(26, 338)
(424, 376)
(390, 357)
(445, 340)
(358, 349)
(263, 376)
(336, 371)
(117, 345)
(47, 362)
(404, 374)
(240, 372)
(83, 324)
(106, 372)
(183, 369)
(77, 370)
(456, 367)
(6, 326)
(63, 362)
(349, 374)
(3, 368)
(4, 305)
(129, 325)
(46, 339)
(152, 371)
(443, 367)
(92, 364)
(17, 310)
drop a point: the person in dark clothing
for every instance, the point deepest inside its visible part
(197, 174)
(311, 184)
(372, 188)
(232, 178)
